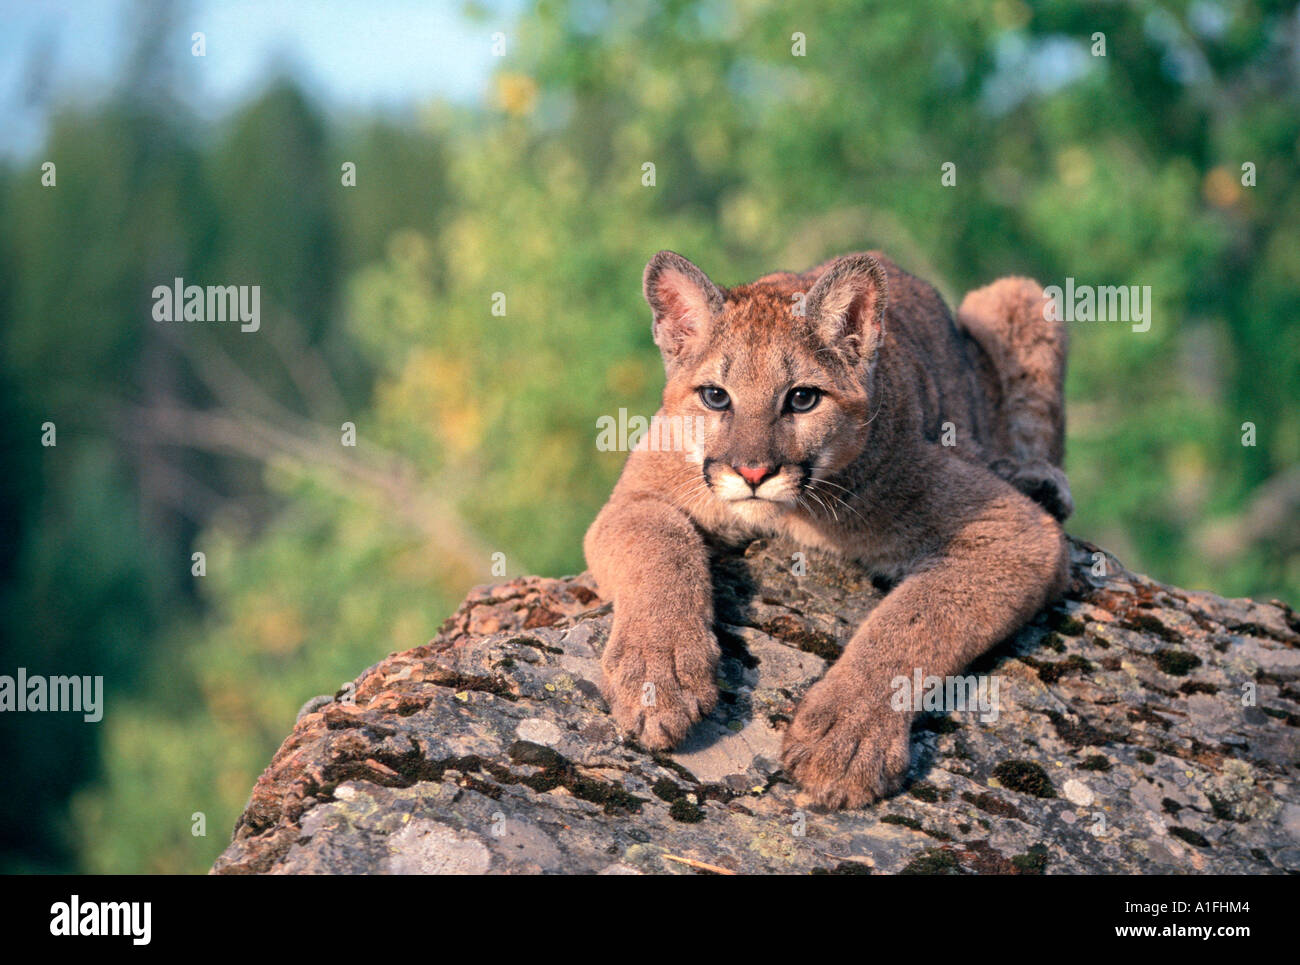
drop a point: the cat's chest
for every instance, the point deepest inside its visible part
(878, 548)
(876, 551)
(809, 533)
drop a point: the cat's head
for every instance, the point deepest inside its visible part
(775, 375)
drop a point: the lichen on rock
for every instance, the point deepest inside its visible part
(1140, 729)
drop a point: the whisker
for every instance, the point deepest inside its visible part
(682, 489)
(839, 499)
(879, 406)
(823, 504)
(836, 485)
(682, 499)
(687, 502)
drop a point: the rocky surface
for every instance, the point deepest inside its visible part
(1140, 729)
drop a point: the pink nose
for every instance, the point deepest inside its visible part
(754, 474)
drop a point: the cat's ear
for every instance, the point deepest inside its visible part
(683, 300)
(847, 304)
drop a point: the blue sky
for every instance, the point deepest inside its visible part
(353, 55)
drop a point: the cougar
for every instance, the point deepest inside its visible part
(846, 409)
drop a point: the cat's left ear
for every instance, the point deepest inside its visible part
(684, 302)
(847, 304)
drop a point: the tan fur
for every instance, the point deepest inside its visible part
(864, 474)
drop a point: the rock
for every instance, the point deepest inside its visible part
(1139, 728)
(1078, 793)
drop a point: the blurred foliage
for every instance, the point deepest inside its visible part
(476, 431)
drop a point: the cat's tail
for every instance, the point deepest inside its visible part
(1012, 322)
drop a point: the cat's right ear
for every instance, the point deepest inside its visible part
(684, 303)
(847, 304)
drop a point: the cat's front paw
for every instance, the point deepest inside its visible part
(846, 746)
(659, 679)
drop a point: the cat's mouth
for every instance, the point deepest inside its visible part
(752, 487)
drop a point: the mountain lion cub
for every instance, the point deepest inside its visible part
(846, 409)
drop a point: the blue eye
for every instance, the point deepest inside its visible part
(715, 398)
(803, 399)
